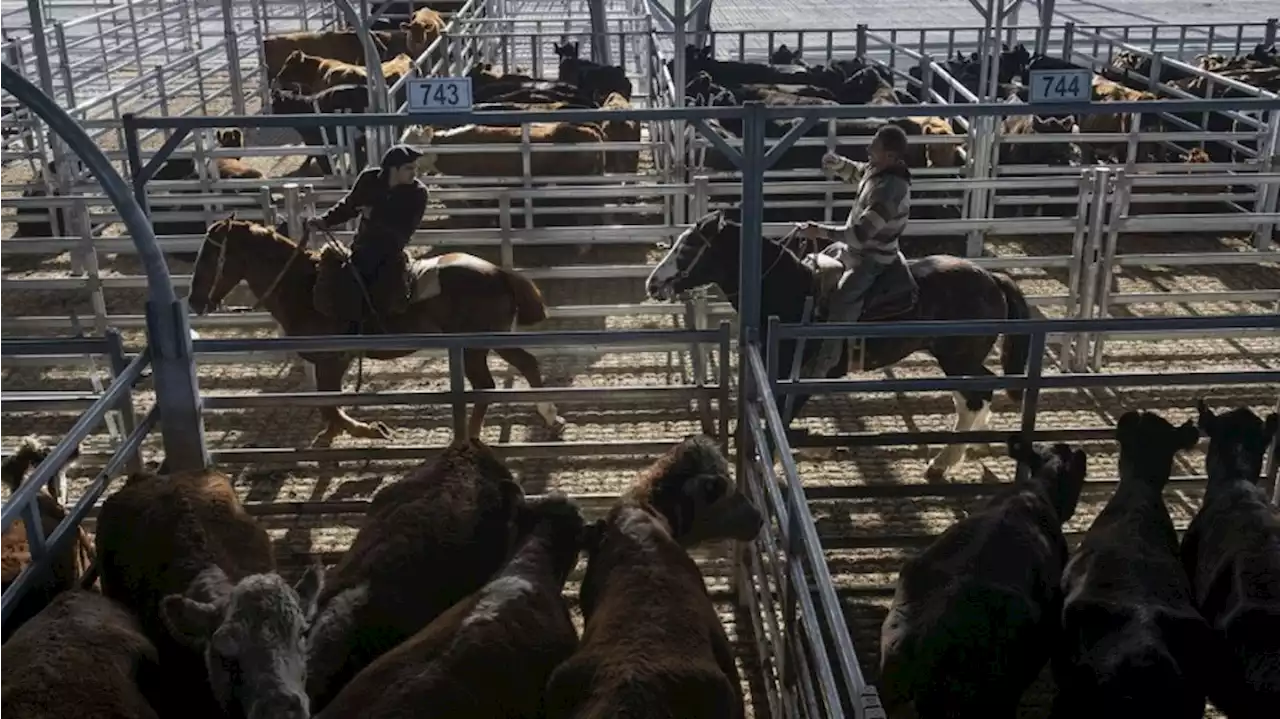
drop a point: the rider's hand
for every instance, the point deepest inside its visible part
(315, 223)
(810, 230)
(831, 162)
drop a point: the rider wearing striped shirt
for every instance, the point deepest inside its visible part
(867, 242)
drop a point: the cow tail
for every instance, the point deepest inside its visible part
(530, 307)
(1016, 349)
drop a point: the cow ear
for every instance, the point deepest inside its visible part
(1188, 435)
(190, 622)
(1206, 419)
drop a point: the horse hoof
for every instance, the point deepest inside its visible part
(556, 428)
(935, 474)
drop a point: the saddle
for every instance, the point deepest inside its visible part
(893, 294)
(339, 295)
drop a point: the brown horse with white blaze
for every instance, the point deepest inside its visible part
(467, 294)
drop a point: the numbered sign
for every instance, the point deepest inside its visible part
(440, 94)
(1061, 86)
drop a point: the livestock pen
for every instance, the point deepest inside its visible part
(622, 367)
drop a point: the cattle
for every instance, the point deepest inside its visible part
(578, 161)
(429, 541)
(786, 56)
(181, 553)
(975, 615)
(423, 29)
(84, 655)
(595, 80)
(653, 644)
(387, 14)
(340, 98)
(625, 161)
(232, 167)
(1231, 553)
(518, 621)
(1132, 641)
(70, 563)
(1057, 154)
(342, 45)
(312, 73)
(490, 86)
(1104, 90)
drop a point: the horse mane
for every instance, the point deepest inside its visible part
(298, 93)
(256, 229)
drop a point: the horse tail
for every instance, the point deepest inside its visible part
(1016, 349)
(530, 307)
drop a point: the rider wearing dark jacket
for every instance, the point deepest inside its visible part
(390, 200)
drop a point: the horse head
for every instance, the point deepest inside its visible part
(220, 264)
(708, 253)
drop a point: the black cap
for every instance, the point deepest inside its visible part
(399, 155)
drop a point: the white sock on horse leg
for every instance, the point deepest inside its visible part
(547, 411)
(966, 419)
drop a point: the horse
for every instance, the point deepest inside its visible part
(455, 292)
(945, 288)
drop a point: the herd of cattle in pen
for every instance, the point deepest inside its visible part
(324, 72)
(450, 601)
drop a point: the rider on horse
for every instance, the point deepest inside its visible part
(867, 243)
(390, 202)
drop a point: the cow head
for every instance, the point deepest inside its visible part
(421, 136)
(230, 137)
(252, 636)
(298, 69)
(1238, 441)
(1058, 472)
(691, 488)
(1148, 443)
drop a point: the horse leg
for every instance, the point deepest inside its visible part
(527, 365)
(329, 373)
(973, 411)
(475, 363)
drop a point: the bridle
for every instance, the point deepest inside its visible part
(298, 250)
(705, 244)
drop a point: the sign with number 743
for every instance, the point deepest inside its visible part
(439, 94)
(1061, 86)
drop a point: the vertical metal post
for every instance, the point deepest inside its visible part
(679, 127)
(749, 269)
(1269, 35)
(128, 421)
(64, 62)
(1089, 287)
(293, 209)
(1031, 394)
(725, 399)
(599, 32)
(1122, 190)
(1263, 235)
(1046, 27)
(233, 57)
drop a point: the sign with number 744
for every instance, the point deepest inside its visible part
(1071, 85)
(439, 94)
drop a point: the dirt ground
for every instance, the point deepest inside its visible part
(866, 535)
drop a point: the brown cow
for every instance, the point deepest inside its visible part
(423, 28)
(519, 622)
(313, 74)
(1105, 90)
(510, 164)
(180, 552)
(1231, 552)
(653, 644)
(71, 562)
(232, 167)
(429, 540)
(620, 131)
(83, 656)
(343, 45)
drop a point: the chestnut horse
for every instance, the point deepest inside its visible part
(947, 288)
(474, 296)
